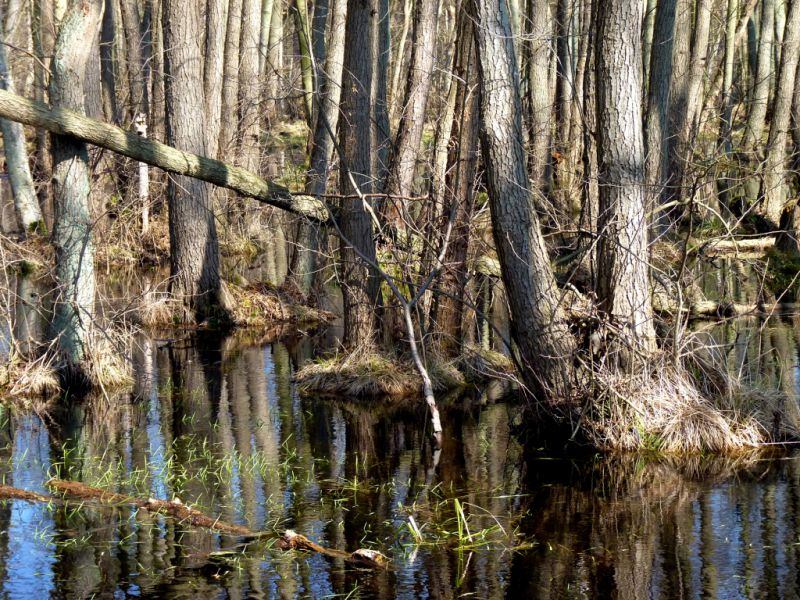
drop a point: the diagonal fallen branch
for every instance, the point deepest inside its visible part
(69, 123)
(178, 510)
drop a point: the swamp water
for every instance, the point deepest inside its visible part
(219, 424)
(221, 427)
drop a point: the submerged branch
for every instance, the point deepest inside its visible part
(178, 510)
(71, 124)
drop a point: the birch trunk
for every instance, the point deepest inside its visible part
(26, 204)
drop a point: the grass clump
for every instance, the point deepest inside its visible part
(367, 373)
(665, 409)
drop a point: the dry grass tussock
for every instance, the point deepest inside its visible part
(364, 373)
(29, 380)
(253, 306)
(664, 409)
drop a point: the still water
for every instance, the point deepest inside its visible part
(219, 425)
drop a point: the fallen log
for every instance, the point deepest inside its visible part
(749, 246)
(71, 124)
(173, 508)
(712, 308)
(185, 514)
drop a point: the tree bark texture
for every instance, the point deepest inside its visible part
(359, 170)
(304, 260)
(773, 190)
(538, 327)
(462, 170)
(406, 149)
(194, 252)
(539, 48)
(26, 204)
(757, 113)
(657, 127)
(72, 233)
(230, 81)
(623, 271)
(213, 74)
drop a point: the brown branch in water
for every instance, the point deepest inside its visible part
(178, 510)
(11, 493)
(173, 508)
(292, 540)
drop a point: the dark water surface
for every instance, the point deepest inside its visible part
(221, 427)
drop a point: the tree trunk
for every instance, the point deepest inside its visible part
(43, 44)
(303, 29)
(590, 193)
(399, 57)
(773, 186)
(230, 81)
(545, 344)
(194, 253)
(26, 203)
(406, 148)
(657, 126)
(540, 102)
(213, 75)
(623, 277)
(274, 67)
(686, 113)
(726, 120)
(757, 113)
(679, 92)
(358, 171)
(462, 171)
(72, 233)
(304, 260)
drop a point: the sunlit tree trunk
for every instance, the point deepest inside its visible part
(679, 90)
(773, 190)
(687, 112)
(26, 203)
(759, 97)
(304, 260)
(274, 66)
(726, 120)
(216, 24)
(406, 147)
(72, 234)
(303, 29)
(544, 342)
(43, 31)
(194, 253)
(623, 271)
(230, 81)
